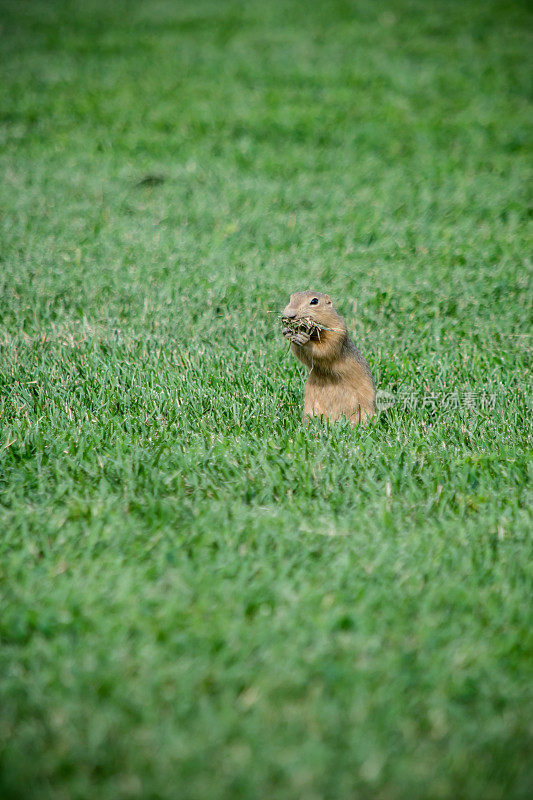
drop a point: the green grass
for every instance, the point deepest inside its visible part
(200, 597)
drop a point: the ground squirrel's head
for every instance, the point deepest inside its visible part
(306, 304)
(314, 306)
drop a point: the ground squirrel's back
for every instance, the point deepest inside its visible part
(339, 381)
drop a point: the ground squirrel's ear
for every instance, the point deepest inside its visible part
(327, 298)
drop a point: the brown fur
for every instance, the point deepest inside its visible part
(339, 381)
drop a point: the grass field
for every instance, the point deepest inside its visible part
(200, 597)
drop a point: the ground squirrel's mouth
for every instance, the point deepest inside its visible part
(315, 330)
(301, 324)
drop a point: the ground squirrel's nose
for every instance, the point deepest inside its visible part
(290, 315)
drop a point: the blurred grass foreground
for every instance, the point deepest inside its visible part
(200, 597)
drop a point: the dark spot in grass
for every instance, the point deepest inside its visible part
(150, 180)
(251, 610)
(345, 623)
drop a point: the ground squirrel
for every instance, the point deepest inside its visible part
(339, 381)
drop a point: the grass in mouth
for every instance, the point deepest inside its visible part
(304, 325)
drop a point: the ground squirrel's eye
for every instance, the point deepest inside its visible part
(314, 301)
